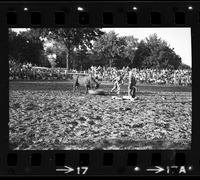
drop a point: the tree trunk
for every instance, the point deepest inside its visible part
(73, 62)
(67, 61)
(110, 62)
(81, 63)
(68, 57)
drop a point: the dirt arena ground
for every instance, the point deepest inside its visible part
(48, 116)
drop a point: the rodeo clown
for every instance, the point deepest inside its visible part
(118, 81)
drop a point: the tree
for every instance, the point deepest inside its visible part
(141, 55)
(154, 44)
(110, 48)
(81, 55)
(43, 59)
(168, 59)
(71, 37)
(184, 66)
(105, 46)
(51, 56)
(23, 48)
(60, 59)
(15, 43)
(130, 48)
(57, 49)
(155, 53)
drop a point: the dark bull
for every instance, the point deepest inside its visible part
(87, 81)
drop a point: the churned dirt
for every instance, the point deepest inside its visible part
(48, 116)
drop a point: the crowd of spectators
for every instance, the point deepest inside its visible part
(149, 76)
(27, 71)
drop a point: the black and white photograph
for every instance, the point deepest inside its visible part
(100, 88)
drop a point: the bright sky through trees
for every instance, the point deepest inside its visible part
(178, 38)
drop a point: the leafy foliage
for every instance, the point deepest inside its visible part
(25, 48)
(156, 54)
(79, 48)
(71, 38)
(115, 51)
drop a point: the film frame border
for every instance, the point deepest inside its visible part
(106, 162)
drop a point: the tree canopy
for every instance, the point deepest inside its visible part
(71, 38)
(153, 52)
(24, 48)
(79, 48)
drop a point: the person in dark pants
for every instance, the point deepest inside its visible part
(131, 84)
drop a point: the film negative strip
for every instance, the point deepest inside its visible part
(99, 88)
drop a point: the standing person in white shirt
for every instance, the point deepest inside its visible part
(118, 81)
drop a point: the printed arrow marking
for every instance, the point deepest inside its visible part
(66, 170)
(157, 170)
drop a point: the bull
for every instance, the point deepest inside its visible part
(87, 81)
